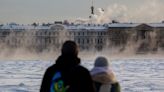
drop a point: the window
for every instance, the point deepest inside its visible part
(54, 33)
(70, 33)
(45, 32)
(83, 41)
(101, 33)
(87, 41)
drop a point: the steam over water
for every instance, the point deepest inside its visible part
(134, 75)
(22, 69)
(148, 11)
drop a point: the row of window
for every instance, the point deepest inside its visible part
(53, 33)
(91, 40)
(52, 41)
(82, 33)
(28, 41)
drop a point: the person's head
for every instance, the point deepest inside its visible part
(101, 62)
(69, 48)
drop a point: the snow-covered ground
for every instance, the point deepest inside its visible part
(134, 75)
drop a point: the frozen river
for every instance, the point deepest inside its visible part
(134, 75)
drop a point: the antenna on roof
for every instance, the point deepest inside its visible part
(92, 12)
(92, 9)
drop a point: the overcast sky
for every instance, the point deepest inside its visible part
(29, 11)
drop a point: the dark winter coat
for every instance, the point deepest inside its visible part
(76, 77)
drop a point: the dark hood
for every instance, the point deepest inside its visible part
(67, 61)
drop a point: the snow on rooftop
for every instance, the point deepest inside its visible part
(42, 27)
(135, 24)
(80, 26)
(156, 24)
(123, 24)
(85, 27)
(23, 27)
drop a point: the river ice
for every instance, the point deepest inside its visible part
(134, 75)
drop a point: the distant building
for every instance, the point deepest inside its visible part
(88, 36)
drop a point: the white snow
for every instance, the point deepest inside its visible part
(123, 25)
(86, 27)
(129, 25)
(156, 24)
(24, 27)
(134, 75)
(95, 27)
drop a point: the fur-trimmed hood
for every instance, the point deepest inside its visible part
(103, 75)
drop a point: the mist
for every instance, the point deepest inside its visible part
(148, 11)
(26, 46)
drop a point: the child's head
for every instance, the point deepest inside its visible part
(101, 62)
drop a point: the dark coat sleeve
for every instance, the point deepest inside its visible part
(45, 86)
(83, 81)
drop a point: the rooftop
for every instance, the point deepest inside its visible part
(78, 26)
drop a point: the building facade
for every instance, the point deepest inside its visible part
(147, 37)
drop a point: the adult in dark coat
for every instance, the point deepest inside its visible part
(76, 78)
